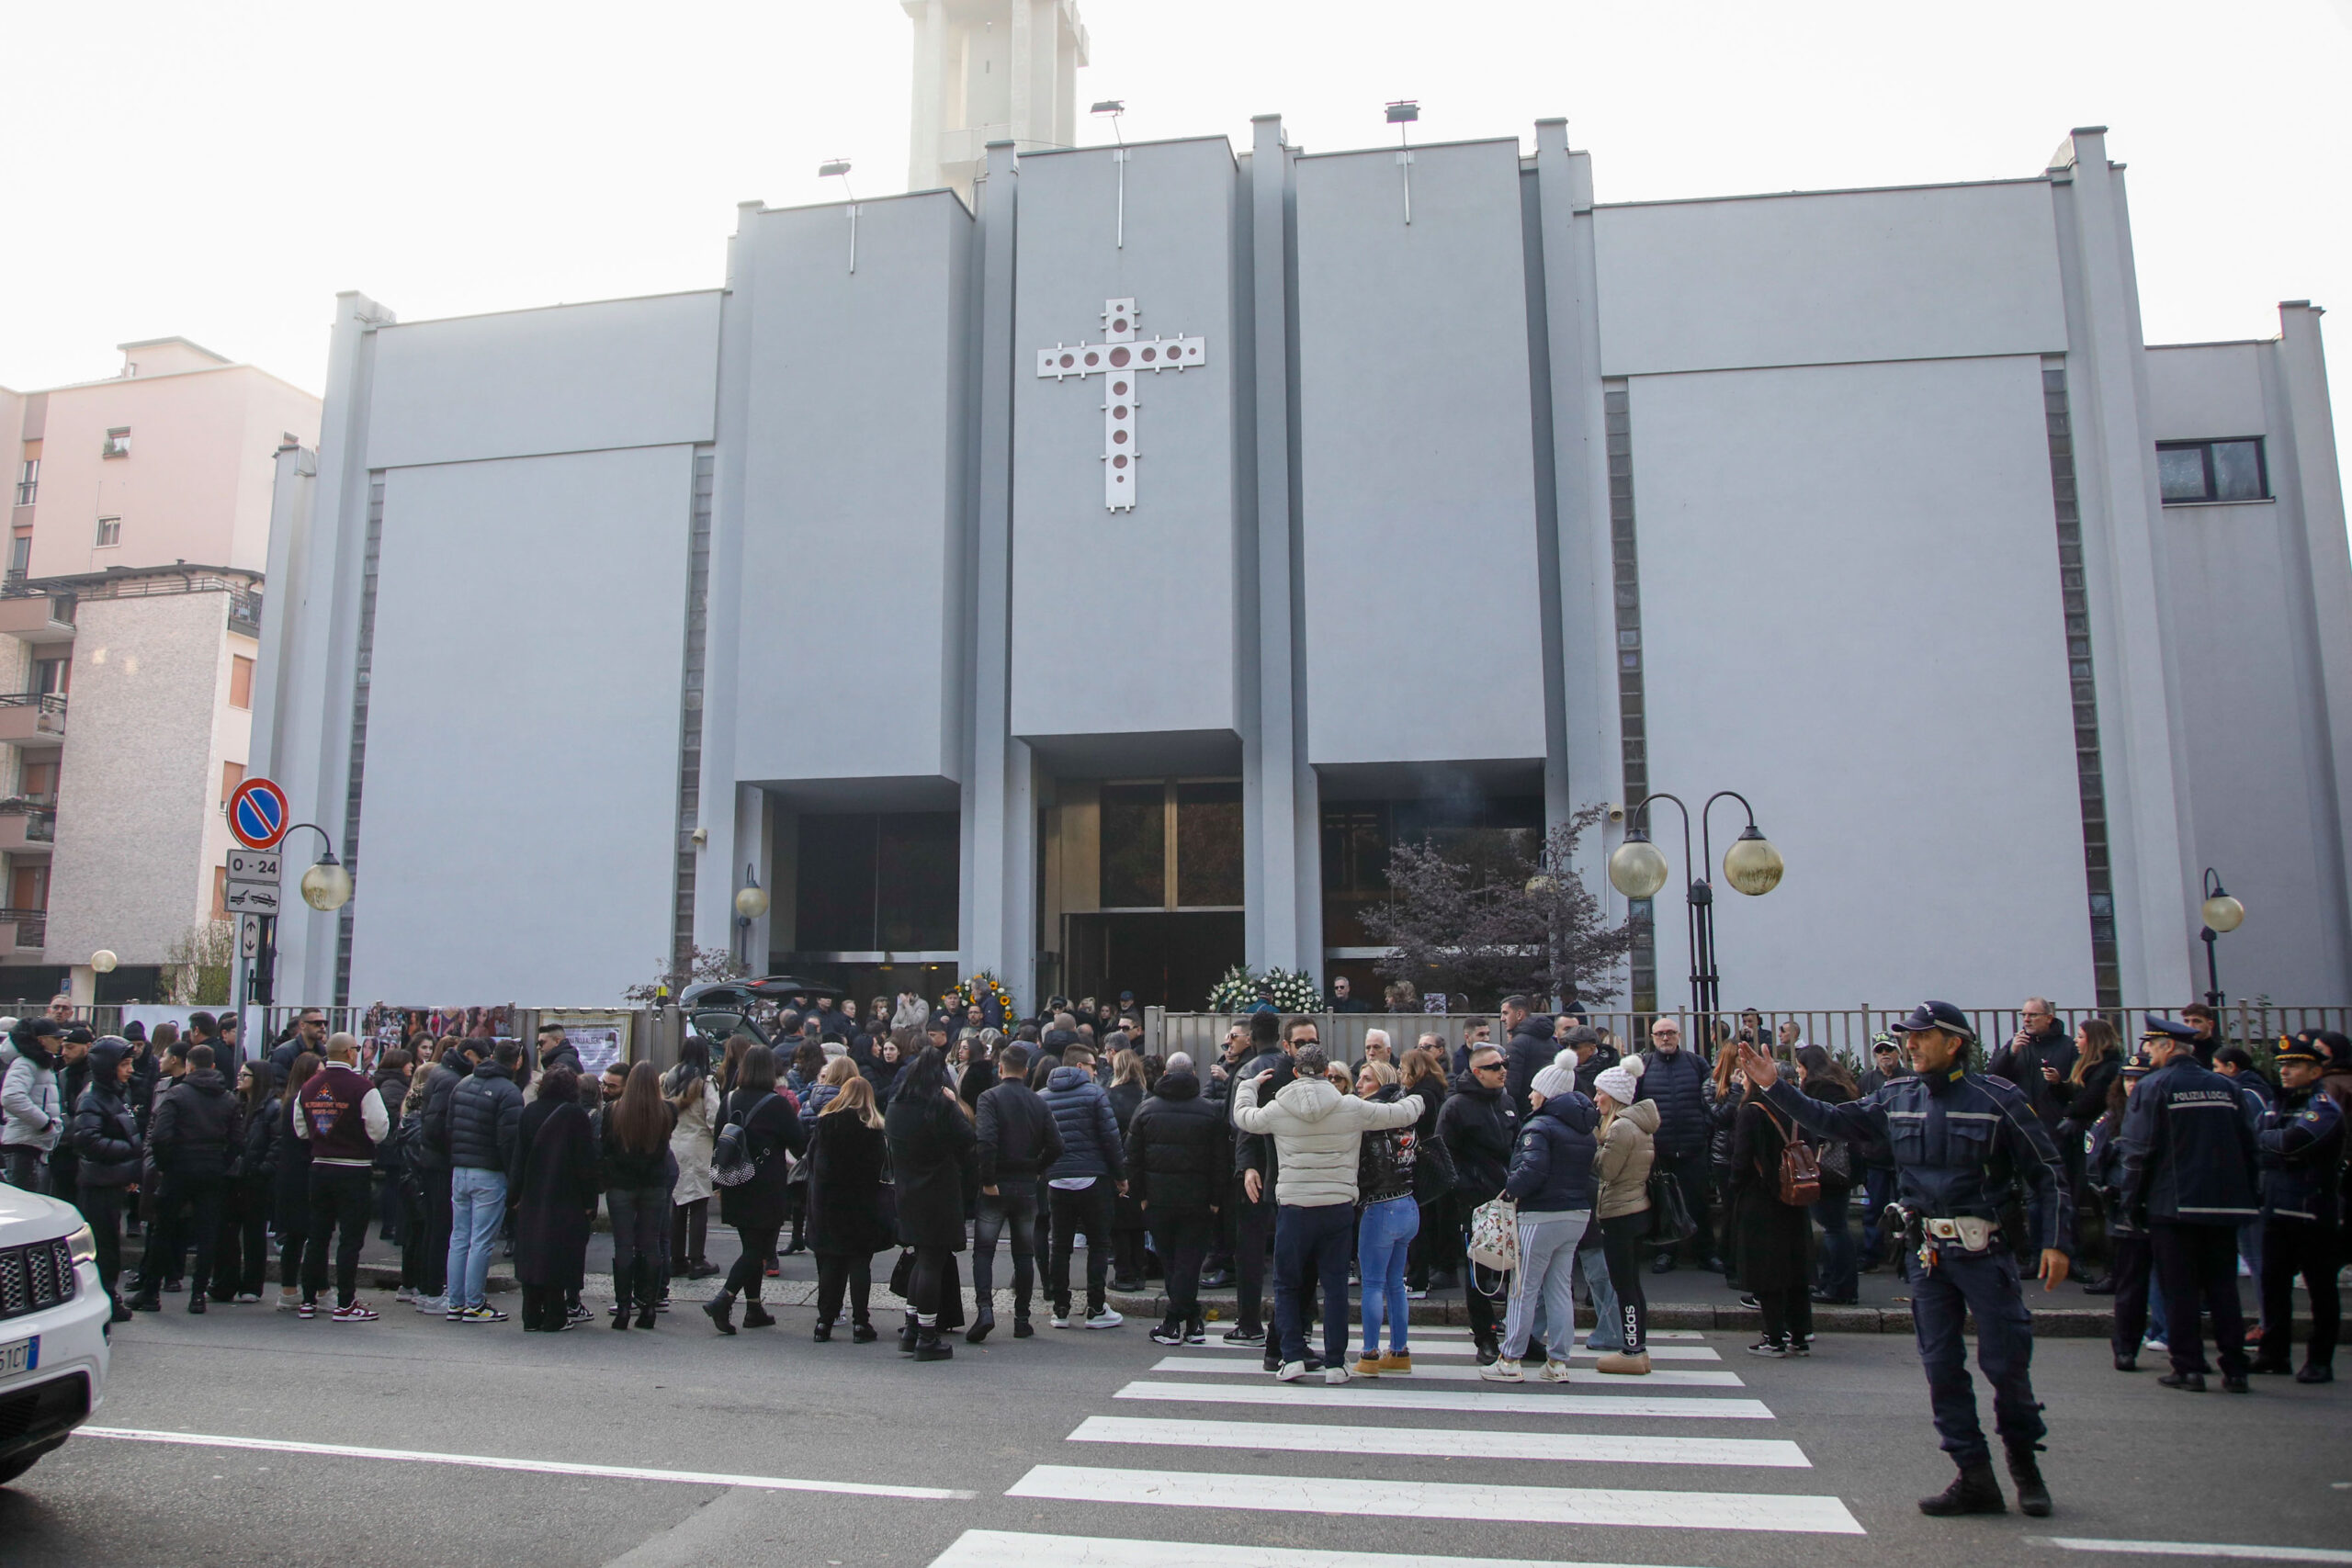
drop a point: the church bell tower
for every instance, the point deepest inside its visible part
(989, 71)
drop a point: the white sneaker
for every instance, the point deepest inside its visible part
(1291, 1371)
(1107, 1318)
(405, 1293)
(1502, 1369)
(2155, 1344)
(1412, 1295)
(433, 1303)
(1059, 1320)
(1335, 1372)
(1555, 1370)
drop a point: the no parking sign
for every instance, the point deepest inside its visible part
(257, 814)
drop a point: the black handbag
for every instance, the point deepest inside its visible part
(1670, 1221)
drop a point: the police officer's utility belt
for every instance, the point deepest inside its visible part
(1972, 1234)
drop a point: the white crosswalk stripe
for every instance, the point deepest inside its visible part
(1498, 1400)
(1421, 1347)
(1021, 1549)
(1238, 1365)
(1442, 1500)
(1316, 1425)
(1444, 1441)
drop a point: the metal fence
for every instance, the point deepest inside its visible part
(1845, 1032)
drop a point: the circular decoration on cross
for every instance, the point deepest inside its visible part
(1093, 357)
(1118, 437)
(1120, 461)
(1118, 388)
(1119, 411)
(1150, 354)
(1118, 357)
(1120, 325)
(1069, 360)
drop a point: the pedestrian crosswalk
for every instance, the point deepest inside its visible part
(1685, 1443)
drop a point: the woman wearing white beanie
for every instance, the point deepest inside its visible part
(1551, 1177)
(1622, 1205)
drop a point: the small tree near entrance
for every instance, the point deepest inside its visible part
(1527, 923)
(707, 963)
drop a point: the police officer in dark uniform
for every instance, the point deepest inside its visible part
(1961, 1144)
(2132, 1266)
(2302, 1141)
(2187, 1175)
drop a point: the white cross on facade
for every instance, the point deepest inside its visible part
(1119, 358)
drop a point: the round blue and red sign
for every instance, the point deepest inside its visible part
(257, 814)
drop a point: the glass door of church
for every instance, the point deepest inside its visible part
(1170, 921)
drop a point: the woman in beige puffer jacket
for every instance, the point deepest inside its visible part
(1621, 1207)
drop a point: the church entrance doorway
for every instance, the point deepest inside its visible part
(1169, 959)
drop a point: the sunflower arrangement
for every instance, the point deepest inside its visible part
(980, 987)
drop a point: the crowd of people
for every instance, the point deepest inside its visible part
(1532, 1172)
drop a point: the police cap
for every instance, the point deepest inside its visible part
(1935, 1015)
(2306, 1047)
(2166, 1029)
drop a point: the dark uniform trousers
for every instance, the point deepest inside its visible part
(1986, 1284)
(2131, 1265)
(2198, 1265)
(2313, 1249)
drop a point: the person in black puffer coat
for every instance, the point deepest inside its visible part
(1017, 1140)
(932, 1145)
(1528, 1051)
(1126, 1088)
(1675, 1074)
(1180, 1169)
(105, 1134)
(193, 1136)
(1423, 1073)
(1477, 1129)
(433, 1175)
(849, 1219)
(1091, 1153)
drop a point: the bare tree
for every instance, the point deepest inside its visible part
(1524, 922)
(201, 963)
(707, 963)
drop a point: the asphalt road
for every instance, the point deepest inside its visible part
(1813, 1462)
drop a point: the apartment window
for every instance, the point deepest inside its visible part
(40, 782)
(232, 775)
(117, 442)
(20, 558)
(109, 531)
(28, 475)
(28, 887)
(51, 676)
(219, 892)
(2195, 471)
(241, 681)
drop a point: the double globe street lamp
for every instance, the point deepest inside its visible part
(1638, 869)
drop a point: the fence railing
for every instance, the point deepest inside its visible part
(1845, 1032)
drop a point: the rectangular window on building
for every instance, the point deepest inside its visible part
(117, 442)
(28, 475)
(2197, 473)
(1208, 844)
(28, 887)
(1134, 846)
(20, 558)
(50, 676)
(109, 532)
(39, 782)
(232, 775)
(241, 681)
(219, 892)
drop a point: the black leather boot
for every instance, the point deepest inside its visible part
(721, 1309)
(2025, 1474)
(824, 1330)
(907, 1336)
(756, 1315)
(1972, 1490)
(982, 1321)
(929, 1347)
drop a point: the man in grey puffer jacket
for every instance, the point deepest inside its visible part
(1317, 1132)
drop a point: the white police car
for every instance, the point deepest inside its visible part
(53, 1327)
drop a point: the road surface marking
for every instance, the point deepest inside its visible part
(1441, 1500)
(1014, 1549)
(2198, 1549)
(1609, 1449)
(1463, 1348)
(1367, 1394)
(1237, 1366)
(539, 1466)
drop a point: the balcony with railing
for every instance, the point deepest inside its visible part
(31, 925)
(32, 718)
(27, 824)
(36, 615)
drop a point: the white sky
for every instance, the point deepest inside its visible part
(221, 170)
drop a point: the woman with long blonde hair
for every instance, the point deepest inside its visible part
(847, 1225)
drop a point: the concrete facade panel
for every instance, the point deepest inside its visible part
(1852, 614)
(573, 379)
(1416, 458)
(523, 733)
(1076, 672)
(853, 492)
(1934, 273)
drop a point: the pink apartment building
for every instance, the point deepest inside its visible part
(130, 616)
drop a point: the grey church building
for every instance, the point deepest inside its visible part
(1089, 581)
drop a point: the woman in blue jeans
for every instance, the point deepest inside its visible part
(1388, 1222)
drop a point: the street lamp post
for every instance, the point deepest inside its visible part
(326, 887)
(750, 903)
(2222, 914)
(1638, 869)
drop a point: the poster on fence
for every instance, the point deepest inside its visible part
(600, 1038)
(1433, 1001)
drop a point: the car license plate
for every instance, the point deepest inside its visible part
(20, 1356)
